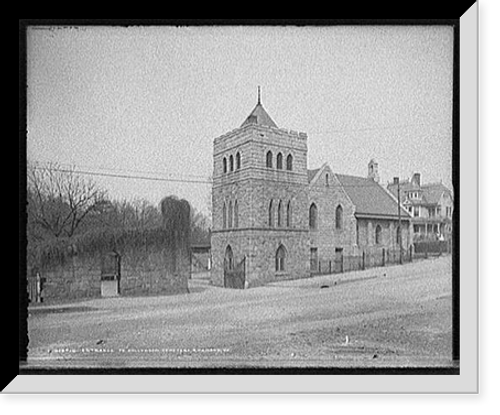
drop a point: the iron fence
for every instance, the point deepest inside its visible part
(428, 248)
(345, 263)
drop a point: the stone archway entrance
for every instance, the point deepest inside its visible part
(234, 274)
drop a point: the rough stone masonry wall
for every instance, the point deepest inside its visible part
(253, 187)
(141, 274)
(326, 237)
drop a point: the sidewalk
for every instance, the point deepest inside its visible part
(329, 280)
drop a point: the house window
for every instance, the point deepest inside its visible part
(269, 160)
(224, 165)
(339, 212)
(238, 161)
(279, 161)
(224, 216)
(288, 214)
(313, 217)
(235, 222)
(289, 162)
(327, 180)
(279, 214)
(230, 215)
(398, 235)
(270, 215)
(378, 235)
(231, 162)
(280, 258)
(416, 211)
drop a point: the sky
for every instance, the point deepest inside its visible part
(148, 101)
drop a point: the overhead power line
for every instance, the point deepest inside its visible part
(123, 176)
(380, 128)
(112, 170)
(165, 179)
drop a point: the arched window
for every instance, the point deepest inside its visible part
(230, 215)
(238, 160)
(280, 258)
(339, 213)
(378, 235)
(235, 222)
(224, 165)
(279, 214)
(269, 159)
(228, 258)
(289, 214)
(289, 162)
(271, 215)
(398, 235)
(327, 180)
(279, 161)
(313, 217)
(224, 216)
(231, 163)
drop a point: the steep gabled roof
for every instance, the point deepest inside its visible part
(404, 185)
(369, 198)
(432, 192)
(311, 174)
(259, 116)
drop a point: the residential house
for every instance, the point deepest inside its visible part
(431, 207)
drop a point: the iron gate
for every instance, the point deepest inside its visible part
(234, 276)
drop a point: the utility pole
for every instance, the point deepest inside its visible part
(396, 180)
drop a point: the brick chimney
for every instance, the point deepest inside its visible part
(415, 180)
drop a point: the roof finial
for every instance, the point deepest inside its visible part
(258, 95)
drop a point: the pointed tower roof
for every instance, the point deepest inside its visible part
(259, 116)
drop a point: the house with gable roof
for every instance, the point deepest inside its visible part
(430, 205)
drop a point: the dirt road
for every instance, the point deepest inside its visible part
(394, 316)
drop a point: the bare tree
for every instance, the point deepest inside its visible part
(59, 199)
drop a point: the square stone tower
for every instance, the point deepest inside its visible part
(259, 204)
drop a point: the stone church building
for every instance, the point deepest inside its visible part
(275, 219)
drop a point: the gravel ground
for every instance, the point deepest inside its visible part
(393, 316)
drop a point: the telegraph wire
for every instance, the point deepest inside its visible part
(123, 176)
(165, 179)
(95, 169)
(394, 127)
